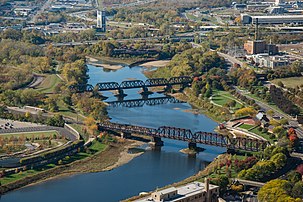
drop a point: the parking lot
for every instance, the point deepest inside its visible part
(10, 124)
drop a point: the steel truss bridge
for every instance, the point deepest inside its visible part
(187, 135)
(142, 102)
(107, 86)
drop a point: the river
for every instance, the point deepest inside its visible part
(145, 173)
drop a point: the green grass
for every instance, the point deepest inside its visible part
(223, 97)
(97, 146)
(23, 174)
(93, 149)
(246, 126)
(262, 134)
(64, 110)
(31, 134)
(48, 84)
(78, 128)
(291, 82)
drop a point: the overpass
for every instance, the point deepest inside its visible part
(184, 81)
(214, 139)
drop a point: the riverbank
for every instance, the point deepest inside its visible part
(112, 60)
(197, 177)
(112, 157)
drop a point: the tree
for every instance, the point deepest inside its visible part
(297, 190)
(294, 176)
(245, 111)
(279, 160)
(275, 190)
(90, 123)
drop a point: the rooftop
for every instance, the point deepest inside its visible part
(183, 192)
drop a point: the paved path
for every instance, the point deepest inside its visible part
(250, 182)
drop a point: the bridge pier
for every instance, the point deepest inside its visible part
(120, 94)
(192, 146)
(125, 135)
(145, 92)
(168, 88)
(157, 142)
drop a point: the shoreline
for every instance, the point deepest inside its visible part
(198, 176)
(92, 164)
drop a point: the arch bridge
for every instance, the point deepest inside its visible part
(214, 139)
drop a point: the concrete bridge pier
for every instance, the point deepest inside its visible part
(168, 88)
(192, 146)
(125, 135)
(156, 142)
(120, 93)
(145, 91)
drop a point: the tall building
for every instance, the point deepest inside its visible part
(278, 2)
(101, 21)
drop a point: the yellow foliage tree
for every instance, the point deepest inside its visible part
(245, 112)
(91, 125)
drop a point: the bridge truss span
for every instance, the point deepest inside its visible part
(106, 86)
(214, 139)
(156, 82)
(132, 84)
(142, 102)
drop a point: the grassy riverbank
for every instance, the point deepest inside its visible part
(98, 157)
(216, 113)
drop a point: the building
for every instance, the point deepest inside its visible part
(255, 47)
(260, 46)
(261, 116)
(240, 6)
(278, 2)
(101, 21)
(276, 10)
(272, 62)
(272, 19)
(193, 192)
(23, 11)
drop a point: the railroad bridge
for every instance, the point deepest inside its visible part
(142, 102)
(214, 139)
(184, 81)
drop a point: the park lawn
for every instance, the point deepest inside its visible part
(64, 110)
(48, 84)
(246, 126)
(31, 134)
(96, 147)
(23, 174)
(291, 82)
(264, 135)
(223, 97)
